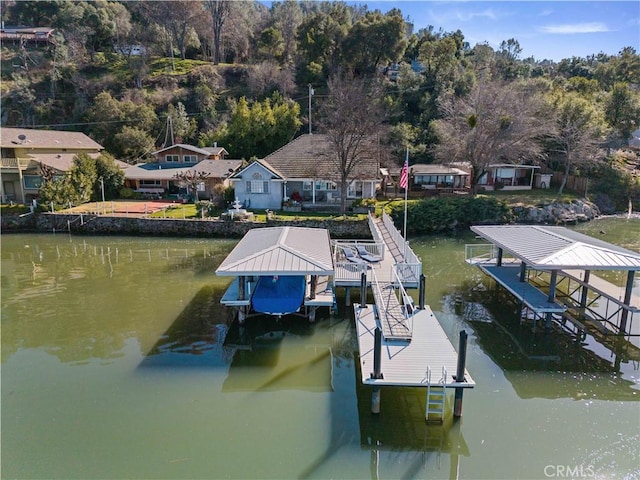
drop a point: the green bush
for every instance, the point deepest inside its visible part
(126, 193)
(437, 215)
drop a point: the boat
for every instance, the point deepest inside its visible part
(279, 295)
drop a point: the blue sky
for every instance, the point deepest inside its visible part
(544, 29)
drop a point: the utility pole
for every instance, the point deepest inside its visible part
(310, 95)
(102, 187)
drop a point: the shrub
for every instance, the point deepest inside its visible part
(126, 193)
(437, 215)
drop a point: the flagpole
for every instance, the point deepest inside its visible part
(406, 188)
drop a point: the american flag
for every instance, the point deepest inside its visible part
(404, 176)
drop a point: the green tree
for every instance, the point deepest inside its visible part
(374, 40)
(319, 38)
(271, 43)
(622, 111)
(109, 175)
(260, 128)
(184, 127)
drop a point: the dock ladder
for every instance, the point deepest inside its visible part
(434, 411)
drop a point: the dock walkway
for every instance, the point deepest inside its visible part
(393, 315)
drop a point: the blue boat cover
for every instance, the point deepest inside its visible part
(279, 294)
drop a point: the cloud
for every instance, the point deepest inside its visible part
(572, 28)
(445, 17)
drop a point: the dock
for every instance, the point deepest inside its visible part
(406, 363)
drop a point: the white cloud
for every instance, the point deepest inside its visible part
(457, 15)
(572, 28)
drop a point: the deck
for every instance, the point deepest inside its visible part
(405, 363)
(532, 297)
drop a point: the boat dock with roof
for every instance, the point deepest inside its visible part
(550, 271)
(400, 343)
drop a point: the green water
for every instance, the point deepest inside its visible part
(119, 362)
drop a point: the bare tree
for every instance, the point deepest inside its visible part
(353, 118)
(580, 128)
(220, 11)
(192, 179)
(495, 123)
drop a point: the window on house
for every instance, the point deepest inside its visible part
(324, 185)
(201, 187)
(151, 183)
(32, 182)
(257, 186)
(171, 158)
(190, 159)
(307, 185)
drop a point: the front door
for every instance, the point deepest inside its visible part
(9, 191)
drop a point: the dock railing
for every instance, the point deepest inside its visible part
(375, 233)
(404, 301)
(480, 253)
(410, 267)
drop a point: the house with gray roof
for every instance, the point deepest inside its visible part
(158, 178)
(303, 171)
(25, 149)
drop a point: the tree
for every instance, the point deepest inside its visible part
(622, 111)
(319, 38)
(579, 130)
(287, 16)
(109, 176)
(260, 128)
(353, 118)
(220, 11)
(496, 122)
(192, 180)
(375, 39)
(184, 127)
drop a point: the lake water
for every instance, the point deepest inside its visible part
(119, 362)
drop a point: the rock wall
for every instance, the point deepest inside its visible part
(551, 214)
(105, 225)
(557, 213)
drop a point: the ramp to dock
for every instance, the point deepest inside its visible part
(405, 363)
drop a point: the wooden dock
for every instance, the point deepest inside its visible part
(405, 363)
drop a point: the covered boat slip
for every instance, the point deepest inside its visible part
(281, 254)
(526, 259)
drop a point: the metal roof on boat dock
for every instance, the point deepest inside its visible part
(555, 248)
(280, 251)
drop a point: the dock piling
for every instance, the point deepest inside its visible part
(462, 360)
(421, 292)
(363, 290)
(377, 370)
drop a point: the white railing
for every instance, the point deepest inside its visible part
(411, 268)
(480, 253)
(375, 233)
(405, 299)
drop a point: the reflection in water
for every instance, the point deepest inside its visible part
(118, 361)
(569, 366)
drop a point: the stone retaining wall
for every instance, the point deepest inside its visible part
(106, 225)
(552, 214)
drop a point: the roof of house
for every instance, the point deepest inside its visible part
(215, 150)
(436, 169)
(217, 168)
(31, 138)
(555, 248)
(59, 161)
(310, 156)
(280, 251)
(157, 171)
(184, 146)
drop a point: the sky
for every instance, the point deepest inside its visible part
(544, 29)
